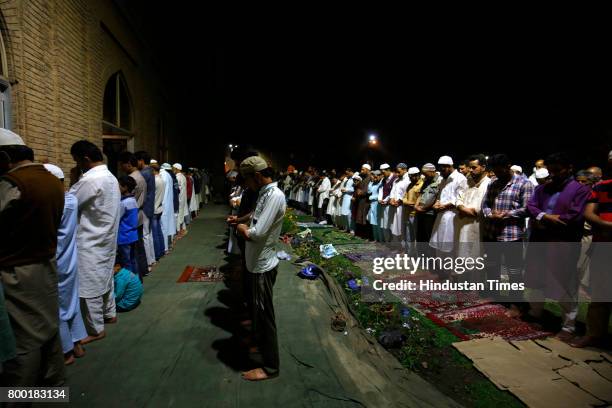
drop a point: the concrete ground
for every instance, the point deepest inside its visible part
(181, 346)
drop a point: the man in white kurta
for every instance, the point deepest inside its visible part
(453, 185)
(323, 191)
(183, 209)
(397, 220)
(469, 202)
(99, 199)
(384, 196)
(168, 223)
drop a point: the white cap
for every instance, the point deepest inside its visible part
(8, 138)
(445, 160)
(178, 166)
(413, 170)
(366, 166)
(516, 168)
(53, 169)
(384, 166)
(166, 166)
(541, 173)
(152, 161)
(356, 176)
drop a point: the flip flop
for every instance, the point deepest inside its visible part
(260, 375)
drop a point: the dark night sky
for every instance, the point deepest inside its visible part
(310, 95)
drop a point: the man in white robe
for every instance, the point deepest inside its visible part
(453, 185)
(323, 191)
(98, 195)
(168, 222)
(347, 200)
(182, 212)
(384, 196)
(71, 326)
(469, 203)
(397, 219)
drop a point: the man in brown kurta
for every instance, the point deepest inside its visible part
(362, 204)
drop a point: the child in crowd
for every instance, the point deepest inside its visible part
(128, 289)
(128, 225)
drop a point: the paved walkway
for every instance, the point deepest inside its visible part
(179, 347)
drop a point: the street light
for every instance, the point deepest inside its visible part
(372, 140)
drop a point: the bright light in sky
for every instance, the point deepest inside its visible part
(372, 138)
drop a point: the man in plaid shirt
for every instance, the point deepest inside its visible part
(504, 209)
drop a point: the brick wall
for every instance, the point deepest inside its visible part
(60, 54)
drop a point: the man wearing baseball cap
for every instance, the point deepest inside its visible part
(261, 236)
(31, 205)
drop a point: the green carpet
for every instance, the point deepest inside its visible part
(177, 348)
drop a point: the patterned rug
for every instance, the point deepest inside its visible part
(485, 320)
(208, 273)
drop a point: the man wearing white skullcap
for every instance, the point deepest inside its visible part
(397, 215)
(347, 200)
(31, 205)
(410, 199)
(425, 215)
(542, 176)
(168, 221)
(323, 198)
(183, 209)
(384, 199)
(453, 185)
(71, 326)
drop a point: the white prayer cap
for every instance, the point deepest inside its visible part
(541, 173)
(8, 138)
(413, 170)
(166, 166)
(356, 176)
(516, 168)
(384, 166)
(295, 171)
(152, 161)
(178, 166)
(445, 160)
(53, 169)
(428, 167)
(376, 172)
(366, 166)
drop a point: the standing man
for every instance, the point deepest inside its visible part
(409, 201)
(168, 221)
(158, 210)
(384, 196)
(323, 190)
(469, 208)
(261, 260)
(143, 159)
(97, 192)
(71, 327)
(182, 209)
(397, 218)
(31, 205)
(375, 185)
(425, 215)
(362, 204)
(504, 209)
(347, 197)
(129, 165)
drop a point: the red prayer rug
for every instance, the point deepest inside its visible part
(208, 273)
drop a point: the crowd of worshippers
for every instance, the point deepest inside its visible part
(71, 258)
(446, 209)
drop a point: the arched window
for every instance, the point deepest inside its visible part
(117, 110)
(5, 89)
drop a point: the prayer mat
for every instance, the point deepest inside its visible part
(333, 236)
(208, 273)
(362, 247)
(312, 225)
(487, 320)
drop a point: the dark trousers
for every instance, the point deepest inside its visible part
(158, 236)
(424, 228)
(126, 256)
(245, 277)
(141, 256)
(598, 317)
(512, 254)
(264, 323)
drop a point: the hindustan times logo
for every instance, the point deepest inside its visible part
(412, 264)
